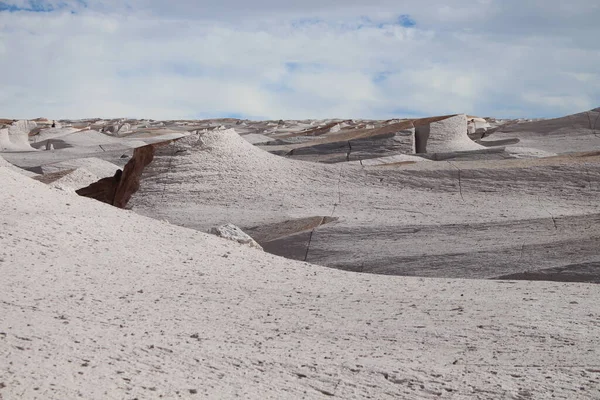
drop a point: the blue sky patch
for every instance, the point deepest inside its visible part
(294, 66)
(303, 22)
(407, 21)
(39, 6)
(380, 77)
(33, 6)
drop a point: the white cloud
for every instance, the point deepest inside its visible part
(272, 60)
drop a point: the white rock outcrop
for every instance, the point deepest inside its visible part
(16, 136)
(232, 232)
(475, 124)
(124, 128)
(336, 128)
(444, 136)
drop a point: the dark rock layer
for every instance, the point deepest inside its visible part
(118, 189)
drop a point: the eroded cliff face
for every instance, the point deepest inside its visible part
(118, 189)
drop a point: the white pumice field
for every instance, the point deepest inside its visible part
(450, 257)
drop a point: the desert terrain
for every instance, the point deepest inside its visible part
(448, 257)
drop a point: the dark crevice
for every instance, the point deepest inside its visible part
(421, 139)
(349, 151)
(459, 180)
(323, 222)
(308, 245)
(339, 201)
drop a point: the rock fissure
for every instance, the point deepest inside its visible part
(309, 243)
(459, 180)
(349, 150)
(549, 213)
(339, 192)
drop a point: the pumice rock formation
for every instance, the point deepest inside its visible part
(16, 136)
(444, 136)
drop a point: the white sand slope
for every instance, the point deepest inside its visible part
(100, 303)
(77, 179)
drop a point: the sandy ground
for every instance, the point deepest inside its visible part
(98, 302)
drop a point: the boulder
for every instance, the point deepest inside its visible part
(232, 232)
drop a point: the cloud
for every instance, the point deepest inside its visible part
(269, 59)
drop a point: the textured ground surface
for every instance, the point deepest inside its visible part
(98, 303)
(461, 219)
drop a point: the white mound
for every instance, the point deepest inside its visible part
(16, 136)
(225, 150)
(221, 165)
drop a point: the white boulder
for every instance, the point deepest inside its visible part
(232, 232)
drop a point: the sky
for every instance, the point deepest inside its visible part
(267, 59)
